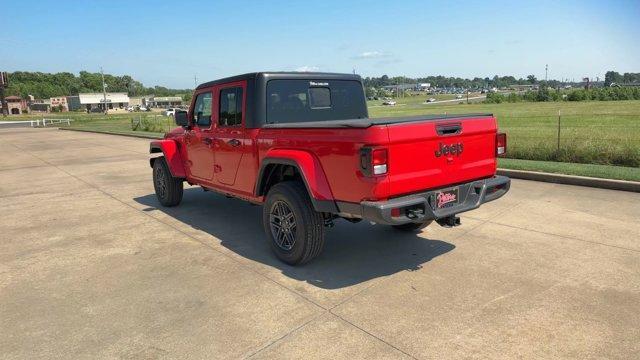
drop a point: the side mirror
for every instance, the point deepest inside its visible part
(182, 118)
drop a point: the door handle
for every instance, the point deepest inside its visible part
(234, 142)
(207, 141)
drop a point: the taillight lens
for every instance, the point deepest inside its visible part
(374, 161)
(379, 161)
(501, 144)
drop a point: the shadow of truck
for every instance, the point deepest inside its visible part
(353, 253)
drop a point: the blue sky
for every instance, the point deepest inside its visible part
(168, 42)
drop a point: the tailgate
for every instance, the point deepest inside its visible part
(434, 154)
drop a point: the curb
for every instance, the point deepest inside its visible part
(610, 184)
(140, 136)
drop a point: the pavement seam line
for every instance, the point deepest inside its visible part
(176, 229)
(565, 236)
(373, 335)
(274, 341)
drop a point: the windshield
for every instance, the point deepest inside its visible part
(314, 100)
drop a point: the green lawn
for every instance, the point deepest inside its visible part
(591, 170)
(592, 134)
(120, 122)
(606, 133)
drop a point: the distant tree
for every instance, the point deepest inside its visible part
(532, 79)
(45, 85)
(370, 91)
(611, 77)
(629, 78)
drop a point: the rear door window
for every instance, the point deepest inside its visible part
(314, 100)
(230, 112)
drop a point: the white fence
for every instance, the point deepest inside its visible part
(44, 122)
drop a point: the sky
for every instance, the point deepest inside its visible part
(168, 43)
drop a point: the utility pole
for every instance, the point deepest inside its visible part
(4, 81)
(104, 91)
(546, 72)
(195, 82)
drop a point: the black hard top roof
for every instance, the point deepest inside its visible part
(268, 75)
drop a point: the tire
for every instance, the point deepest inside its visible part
(412, 227)
(300, 237)
(168, 189)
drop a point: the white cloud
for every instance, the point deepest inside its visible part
(307, 68)
(372, 55)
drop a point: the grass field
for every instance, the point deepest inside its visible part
(598, 133)
(606, 133)
(591, 170)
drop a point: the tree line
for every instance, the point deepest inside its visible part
(548, 94)
(615, 77)
(46, 85)
(457, 82)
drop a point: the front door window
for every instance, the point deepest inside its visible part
(201, 115)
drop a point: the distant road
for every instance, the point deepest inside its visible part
(456, 100)
(436, 102)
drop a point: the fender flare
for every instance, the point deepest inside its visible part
(172, 155)
(312, 174)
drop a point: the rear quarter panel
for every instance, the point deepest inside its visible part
(413, 167)
(338, 151)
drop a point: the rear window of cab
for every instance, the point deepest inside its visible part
(291, 101)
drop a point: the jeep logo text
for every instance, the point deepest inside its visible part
(453, 149)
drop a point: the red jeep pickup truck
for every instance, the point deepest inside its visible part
(303, 146)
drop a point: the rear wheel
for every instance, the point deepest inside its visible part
(168, 189)
(294, 228)
(411, 227)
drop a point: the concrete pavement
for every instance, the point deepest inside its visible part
(92, 267)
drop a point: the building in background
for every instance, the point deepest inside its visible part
(59, 103)
(135, 101)
(16, 105)
(96, 101)
(164, 101)
(40, 105)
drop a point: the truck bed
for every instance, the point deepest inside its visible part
(368, 122)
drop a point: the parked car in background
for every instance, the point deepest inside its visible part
(389, 103)
(170, 111)
(131, 108)
(430, 100)
(142, 108)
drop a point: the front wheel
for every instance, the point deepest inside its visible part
(412, 227)
(294, 228)
(168, 189)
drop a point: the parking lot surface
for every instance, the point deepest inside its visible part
(92, 267)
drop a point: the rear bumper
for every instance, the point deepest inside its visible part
(471, 196)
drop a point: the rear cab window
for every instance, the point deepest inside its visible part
(291, 101)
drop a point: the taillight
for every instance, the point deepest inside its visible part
(501, 144)
(374, 161)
